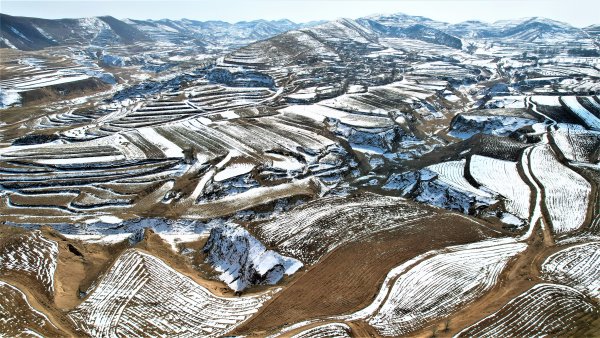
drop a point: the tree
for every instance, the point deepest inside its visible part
(189, 155)
(447, 325)
(471, 48)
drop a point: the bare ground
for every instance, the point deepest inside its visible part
(348, 278)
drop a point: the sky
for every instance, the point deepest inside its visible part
(579, 13)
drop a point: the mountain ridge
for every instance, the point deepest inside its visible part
(28, 33)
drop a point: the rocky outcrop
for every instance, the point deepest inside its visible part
(243, 261)
(241, 78)
(425, 187)
(465, 126)
(381, 140)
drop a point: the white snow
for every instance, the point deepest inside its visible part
(577, 266)
(9, 98)
(170, 149)
(438, 286)
(16, 31)
(33, 254)
(44, 33)
(588, 118)
(243, 260)
(141, 296)
(552, 101)
(566, 193)
(511, 219)
(175, 239)
(544, 310)
(503, 177)
(233, 170)
(101, 239)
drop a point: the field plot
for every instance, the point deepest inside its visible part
(443, 185)
(590, 120)
(35, 78)
(437, 286)
(334, 330)
(142, 295)
(345, 280)
(30, 254)
(452, 173)
(19, 319)
(80, 189)
(544, 310)
(316, 228)
(577, 266)
(566, 193)
(503, 177)
(446, 71)
(150, 114)
(112, 174)
(576, 143)
(380, 100)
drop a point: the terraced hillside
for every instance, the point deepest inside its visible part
(387, 176)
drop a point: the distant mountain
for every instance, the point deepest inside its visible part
(526, 29)
(216, 33)
(593, 31)
(417, 28)
(32, 33)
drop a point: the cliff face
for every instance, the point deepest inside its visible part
(464, 126)
(426, 186)
(243, 261)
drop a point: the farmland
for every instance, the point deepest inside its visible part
(386, 176)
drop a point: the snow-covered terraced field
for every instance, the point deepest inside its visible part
(141, 296)
(438, 286)
(72, 189)
(381, 99)
(448, 187)
(544, 310)
(30, 254)
(566, 193)
(577, 266)
(503, 177)
(36, 73)
(43, 80)
(576, 143)
(283, 161)
(590, 120)
(313, 229)
(152, 114)
(19, 319)
(333, 330)
(453, 174)
(113, 173)
(444, 185)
